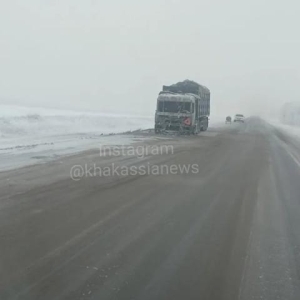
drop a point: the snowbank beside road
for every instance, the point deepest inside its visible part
(289, 129)
(31, 135)
(31, 122)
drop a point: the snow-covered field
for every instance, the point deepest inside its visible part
(37, 135)
(33, 122)
(31, 135)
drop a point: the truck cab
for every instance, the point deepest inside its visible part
(175, 112)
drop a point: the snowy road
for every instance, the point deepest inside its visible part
(229, 231)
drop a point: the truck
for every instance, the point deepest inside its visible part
(183, 107)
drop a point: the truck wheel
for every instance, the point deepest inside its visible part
(205, 125)
(194, 130)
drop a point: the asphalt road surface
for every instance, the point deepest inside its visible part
(227, 228)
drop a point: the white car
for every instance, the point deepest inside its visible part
(239, 118)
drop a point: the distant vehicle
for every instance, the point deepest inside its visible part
(183, 107)
(239, 118)
(228, 120)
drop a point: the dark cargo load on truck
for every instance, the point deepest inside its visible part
(185, 87)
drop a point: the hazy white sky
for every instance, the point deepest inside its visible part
(116, 55)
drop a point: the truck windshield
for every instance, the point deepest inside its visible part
(174, 107)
